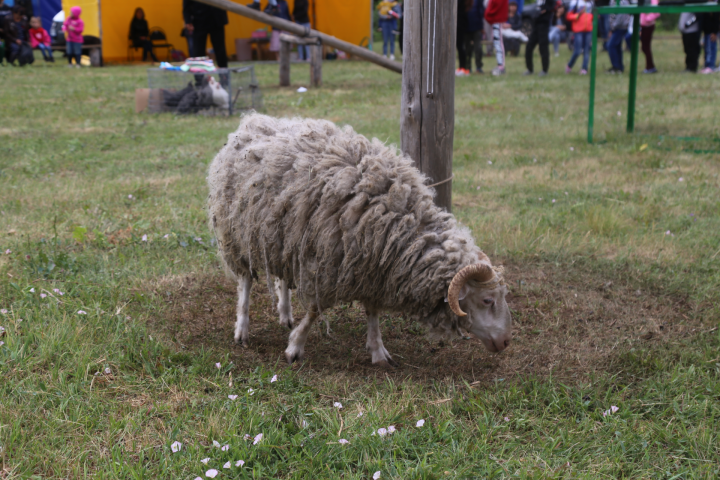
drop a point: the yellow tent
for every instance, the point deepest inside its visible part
(109, 20)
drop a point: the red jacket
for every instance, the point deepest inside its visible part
(38, 36)
(581, 22)
(496, 11)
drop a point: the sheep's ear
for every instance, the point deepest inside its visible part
(463, 292)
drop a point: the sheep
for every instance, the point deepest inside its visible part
(340, 218)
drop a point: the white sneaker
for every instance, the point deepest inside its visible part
(392, 57)
(497, 71)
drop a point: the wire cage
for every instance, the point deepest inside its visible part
(226, 91)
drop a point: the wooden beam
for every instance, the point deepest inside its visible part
(427, 109)
(316, 54)
(284, 64)
(284, 37)
(296, 29)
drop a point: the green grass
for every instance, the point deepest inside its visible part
(72, 151)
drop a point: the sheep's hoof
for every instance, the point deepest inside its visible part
(293, 357)
(245, 342)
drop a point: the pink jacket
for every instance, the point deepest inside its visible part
(648, 19)
(39, 36)
(74, 35)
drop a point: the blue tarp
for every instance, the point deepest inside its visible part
(46, 10)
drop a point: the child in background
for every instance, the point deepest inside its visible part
(619, 24)
(40, 39)
(582, 26)
(496, 13)
(388, 24)
(710, 25)
(74, 27)
(690, 29)
(647, 24)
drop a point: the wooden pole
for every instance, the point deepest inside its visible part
(428, 91)
(296, 29)
(316, 54)
(284, 63)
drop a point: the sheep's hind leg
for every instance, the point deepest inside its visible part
(374, 345)
(242, 327)
(298, 337)
(284, 305)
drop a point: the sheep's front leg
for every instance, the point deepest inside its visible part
(242, 326)
(284, 305)
(374, 345)
(298, 337)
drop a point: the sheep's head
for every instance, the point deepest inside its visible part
(480, 291)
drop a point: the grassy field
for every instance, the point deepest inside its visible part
(115, 311)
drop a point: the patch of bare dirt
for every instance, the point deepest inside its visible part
(567, 324)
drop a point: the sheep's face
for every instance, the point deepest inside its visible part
(488, 314)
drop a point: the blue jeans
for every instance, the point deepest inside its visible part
(583, 42)
(304, 50)
(710, 52)
(388, 36)
(46, 52)
(556, 36)
(74, 50)
(615, 49)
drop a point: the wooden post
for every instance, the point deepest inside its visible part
(316, 65)
(284, 63)
(428, 90)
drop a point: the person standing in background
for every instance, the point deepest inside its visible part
(496, 14)
(540, 35)
(582, 27)
(300, 14)
(460, 33)
(388, 24)
(202, 20)
(710, 25)
(647, 24)
(619, 24)
(690, 30)
(559, 30)
(74, 27)
(474, 35)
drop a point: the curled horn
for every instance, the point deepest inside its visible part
(480, 272)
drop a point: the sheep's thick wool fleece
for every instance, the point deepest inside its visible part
(338, 216)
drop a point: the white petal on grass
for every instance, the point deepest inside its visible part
(614, 409)
(302, 90)
(32, 290)
(82, 312)
(216, 444)
(212, 473)
(130, 196)
(304, 424)
(198, 478)
(376, 475)
(42, 295)
(232, 397)
(506, 419)
(218, 365)
(382, 432)
(225, 447)
(342, 441)
(337, 405)
(247, 437)
(2, 329)
(681, 179)
(2, 343)
(258, 438)
(391, 429)
(3, 311)
(57, 290)
(176, 447)
(240, 463)
(108, 371)
(8, 251)
(144, 238)
(359, 414)
(205, 460)
(167, 235)
(227, 465)
(420, 423)
(273, 379)
(251, 391)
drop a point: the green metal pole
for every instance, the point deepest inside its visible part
(593, 71)
(633, 73)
